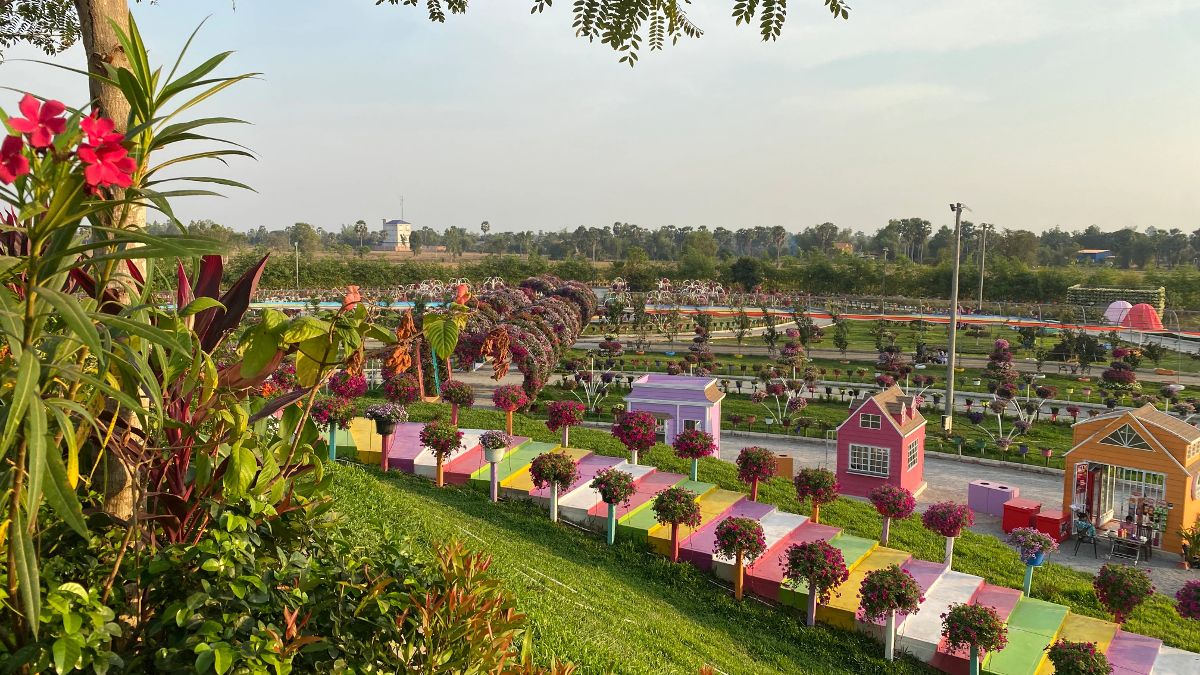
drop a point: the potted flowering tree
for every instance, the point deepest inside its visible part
(1032, 546)
(335, 413)
(509, 398)
(386, 416)
(1187, 600)
(884, 593)
(818, 564)
(636, 430)
(693, 444)
(404, 389)
(615, 487)
(676, 506)
(442, 438)
(975, 627)
(348, 385)
(741, 539)
(755, 464)
(948, 519)
(555, 470)
(1078, 658)
(562, 415)
(1121, 589)
(457, 393)
(818, 485)
(494, 444)
(892, 501)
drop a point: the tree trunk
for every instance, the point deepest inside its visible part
(441, 474)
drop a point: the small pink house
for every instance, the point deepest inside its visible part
(883, 441)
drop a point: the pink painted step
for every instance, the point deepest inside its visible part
(460, 469)
(647, 487)
(999, 598)
(698, 548)
(765, 575)
(588, 468)
(1132, 654)
(405, 446)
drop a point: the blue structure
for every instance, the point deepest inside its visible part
(1093, 255)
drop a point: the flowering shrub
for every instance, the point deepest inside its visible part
(494, 439)
(509, 398)
(819, 485)
(740, 535)
(458, 392)
(347, 385)
(284, 377)
(978, 626)
(890, 589)
(402, 389)
(1120, 377)
(1188, 600)
(100, 151)
(1073, 411)
(563, 414)
(327, 410)
(636, 430)
(676, 506)
(892, 501)
(818, 563)
(754, 464)
(694, 444)
(947, 518)
(1121, 588)
(386, 412)
(553, 468)
(1078, 658)
(441, 437)
(615, 486)
(1030, 542)
(885, 381)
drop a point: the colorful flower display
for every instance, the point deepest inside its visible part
(562, 415)
(890, 589)
(1187, 600)
(347, 385)
(1030, 542)
(1077, 658)
(553, 469)
(948, 518)
(402, 388)
(676, 506)
(818, 485)
(1122, 588)
(740, 535)
(976, 627)
(494, 439)
(615, 486)
(509, 398)
(821, 565)
(333, 410)
(457, 392)
(636, 430)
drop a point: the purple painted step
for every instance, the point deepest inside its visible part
(1132, 654)
(588, 467)
(405, 446)
(698, 548)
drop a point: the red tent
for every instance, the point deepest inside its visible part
(1142, 317)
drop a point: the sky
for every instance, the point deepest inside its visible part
(1034, 114)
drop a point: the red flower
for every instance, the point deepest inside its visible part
(12, 162)
(99, 130)
(108, 163)
(41, 121)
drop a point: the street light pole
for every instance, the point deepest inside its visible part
(948, 418)
(883, 284)
(983, 230)
(296, 245)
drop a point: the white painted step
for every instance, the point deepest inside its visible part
(776, 525)
(574, 506)
(922, 632)
(425, 464)
(1172, 661)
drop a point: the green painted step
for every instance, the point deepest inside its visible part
(1032, 626)
(638, 523)
(512, 463)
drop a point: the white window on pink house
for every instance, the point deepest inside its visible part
(912, 455)
(869, 460)
(869, 421)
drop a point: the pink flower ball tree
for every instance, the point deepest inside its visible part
(676, 506)
(636, 429)
(743, 540)
(755, 465)
(819, 486)
(458, 394)
(556, 470)
(819, 564)
(509, 398)
(693, 444)
(562, 415)
(892, 501)
(948, 519)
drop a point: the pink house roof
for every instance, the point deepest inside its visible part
(900, 409)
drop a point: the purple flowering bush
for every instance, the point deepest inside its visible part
(615, 486)
(1188, 600)
(1078, 658)
(740, 535)
(1122, 588)
(494, 439)
(890, 589)
(347, 385)
(1030, 542)
(562, 414)
(386, 412)
(509, 398)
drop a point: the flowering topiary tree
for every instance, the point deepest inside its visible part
(1078, 658)
(884, 593)
(676, 506)
(976, 627)
(457, 393)
(347, 385)
(615, 487)
(494, 443)
(442, 438)
(1032, 545)
(1188, 600)
(948, 519)
(403, 389)
(741, 539)
(818, 564)
(636, 429)
(562, 415)
(509, 398)
(1121, 588)
(333, 411)
(693, 444)
(818, 485)
(755, 464)
(557, 471)
(892, 501)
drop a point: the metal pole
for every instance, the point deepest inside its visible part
(883, 283)
(983, 228)
(296, 245)
(948, 421)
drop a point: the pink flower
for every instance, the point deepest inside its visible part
(41, 122)
(99, 130)
(108, 163)
(13, 162)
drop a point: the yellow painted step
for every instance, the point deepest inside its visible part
(712, 504)
(366, 441)
(521, 481)
(844, 604)
(1080, 628)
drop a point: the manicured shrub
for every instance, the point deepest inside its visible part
(1188, 600)
(821, 565)
(562, 415)
(676, 506)
(1122, 588)
(892, 501)
(755, 464)
(741, 539)
(975, 627)
(819, 486)
(636, 430)
(1078, 658)
(403, 389)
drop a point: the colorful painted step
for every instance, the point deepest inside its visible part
(576, 506)
(638, 524)
(842, 609)
(1172, 661)
(921, 633)
(588, 467)
(1132, 654)
(925, 573)
(1032, 626)
(513, 462)
(462, 469)
(366, 441)
(698, 548)
(1079, 628)
(713, 505)
(425, 463)
(1000, 598)
(520, 483)
(405, 446)
(854, 551)
(776, 525)
(647, 487)
(766, 574)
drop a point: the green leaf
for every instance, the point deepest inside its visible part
(204, 660)
(274, 321)
(310, 360)
(25, 389)
(60, 495)
(223, 658)
(35, 454)
(240, 472)
(381, 334)
(66, 654)
(28, 587)
(305, 328)
(260, 348)
(442, 334)
(199, 305)
(69, 310)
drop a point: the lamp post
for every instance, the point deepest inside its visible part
(983, 230)
(296, 245)
(883, 283)
(948, 418)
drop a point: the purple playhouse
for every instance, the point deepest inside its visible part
(679, 402)
(882, 441)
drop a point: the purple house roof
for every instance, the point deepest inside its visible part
(676, 388)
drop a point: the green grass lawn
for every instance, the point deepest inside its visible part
(977, 554)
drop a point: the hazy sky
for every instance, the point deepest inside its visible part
(1069, 112)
